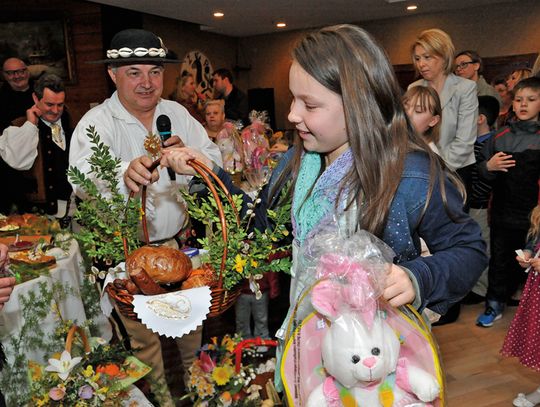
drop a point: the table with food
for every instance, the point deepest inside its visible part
(41, 257)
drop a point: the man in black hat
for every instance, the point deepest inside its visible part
(135, 64)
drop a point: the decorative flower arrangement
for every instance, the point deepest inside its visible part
(214, 380)
(97, 378)
(250, 251)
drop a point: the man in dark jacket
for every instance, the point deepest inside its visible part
(236, 101)
(40, 148)
(15, 98)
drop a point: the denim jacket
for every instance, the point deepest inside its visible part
(458, 253)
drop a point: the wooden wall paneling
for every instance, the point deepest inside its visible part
(84, 19)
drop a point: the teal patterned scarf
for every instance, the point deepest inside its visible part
(313, 211)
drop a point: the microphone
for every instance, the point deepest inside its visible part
(163, 124)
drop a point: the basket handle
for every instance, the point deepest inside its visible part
(71, 335)
(248, 343)
(207, 175)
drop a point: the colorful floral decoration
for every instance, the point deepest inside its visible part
(98, 378)
(214, 380)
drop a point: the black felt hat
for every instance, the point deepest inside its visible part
(135, 46)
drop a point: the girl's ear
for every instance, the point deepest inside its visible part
(434, 120)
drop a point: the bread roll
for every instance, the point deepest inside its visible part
(164, 264)
(144, 282)
(199, 277)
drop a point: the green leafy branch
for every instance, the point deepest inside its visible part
(248, 249)
(104, 216)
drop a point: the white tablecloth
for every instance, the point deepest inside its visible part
(68, 270)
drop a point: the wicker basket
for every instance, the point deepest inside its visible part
(222, 299)
(71, 335)
(265, 380)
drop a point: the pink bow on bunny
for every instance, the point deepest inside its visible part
(347, 284)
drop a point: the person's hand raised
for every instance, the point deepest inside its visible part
(33, 114)
(138, 174)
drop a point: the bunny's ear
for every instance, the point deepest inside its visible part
(326, 298)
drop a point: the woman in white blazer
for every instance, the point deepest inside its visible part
(433, 57)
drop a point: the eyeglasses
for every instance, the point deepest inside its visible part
(16, 72)
(464, 65)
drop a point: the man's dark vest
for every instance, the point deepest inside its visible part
(48, 175)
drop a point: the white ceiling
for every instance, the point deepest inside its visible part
(244, 18)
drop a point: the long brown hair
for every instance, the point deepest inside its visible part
(347, 60)
(534, 230)
(428, 100)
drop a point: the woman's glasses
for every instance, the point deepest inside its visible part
(464, 65)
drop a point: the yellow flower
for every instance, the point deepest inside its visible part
(229, 345)
(221, 375)
(43, 401)
(89, 371)
(285, 232)
(254, 263)
(35, 370)
(239, 263)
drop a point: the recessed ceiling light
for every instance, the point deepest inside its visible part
(281, 24)
(412, 7)
(218, 14)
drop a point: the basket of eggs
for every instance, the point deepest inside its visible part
(153, 270)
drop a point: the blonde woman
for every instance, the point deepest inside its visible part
(185, 94)
(214, 115)
(433, 58)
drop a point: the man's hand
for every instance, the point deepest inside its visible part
(33, 114)
(177, 159)
(173, 141)
(399, 287)
(137, 173)
(500, 162)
